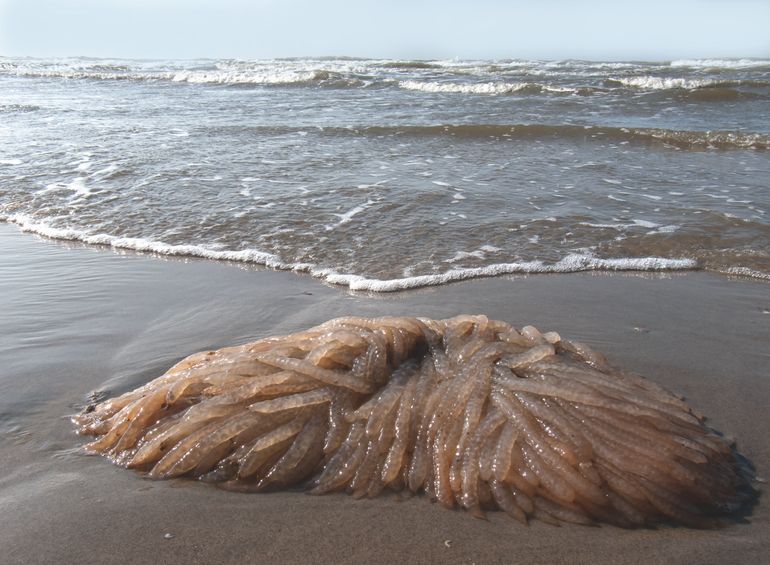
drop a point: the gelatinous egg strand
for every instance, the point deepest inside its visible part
(473, 412)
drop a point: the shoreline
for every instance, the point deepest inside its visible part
(78, 320)
(255, 258)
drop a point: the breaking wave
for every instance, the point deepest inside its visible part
(698, 89)
(571, 263)
(464, 77)
(410, 65)
(676, 138)
(21, 108)
(321, 77)
(681, 139)
(221, 77)
(489, 88)
(668, 83)
(721, 63)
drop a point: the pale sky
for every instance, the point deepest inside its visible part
(489, 29)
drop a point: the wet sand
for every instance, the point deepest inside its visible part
(77, 320)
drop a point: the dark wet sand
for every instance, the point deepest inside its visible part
(77, 319)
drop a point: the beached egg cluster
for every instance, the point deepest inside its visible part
(470, 411)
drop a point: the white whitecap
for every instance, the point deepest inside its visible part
(346, 217)
(78, 186)
(570, 263)
(721, 63)
(486, 88)
(664, 83)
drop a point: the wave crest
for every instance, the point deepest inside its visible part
(572, 263)
(678, 138)
(488, 88)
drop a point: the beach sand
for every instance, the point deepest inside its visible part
(78, 319)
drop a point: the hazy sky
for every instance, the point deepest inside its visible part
(546, 29)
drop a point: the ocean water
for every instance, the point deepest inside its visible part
(382, 174)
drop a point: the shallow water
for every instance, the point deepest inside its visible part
(383, 175)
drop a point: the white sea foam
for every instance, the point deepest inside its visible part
(620, 226)
(570, 264)
(108, 170)
(721, 63)
(664, 83)
(78, 186)
(604, 226)
(460, 255)
(665, 229)
(266, 77)
(346, 217)
(488, 88)
(28, 224)
(202, 72)
(746, 272)
(479, 253)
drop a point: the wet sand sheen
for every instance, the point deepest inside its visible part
(77, 320)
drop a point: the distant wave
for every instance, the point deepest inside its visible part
(449, 76)
(490, 88)
(677, 138)
(682, 139)
(572, 263)
(266, 78)
(698, 90)
(87, 74)
(223, 77)
(721, 63)
(665, 83)
(11, 108)
(410, 65)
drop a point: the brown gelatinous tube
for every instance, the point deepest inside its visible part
(473, 412)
